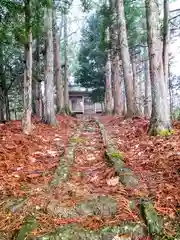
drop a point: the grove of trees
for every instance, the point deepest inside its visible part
(124, 57)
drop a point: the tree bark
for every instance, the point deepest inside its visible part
(115, 61)
(108, 91)
(39, 97)
(166, 33)
(117, 85)
(125, 57)
(57, 64)
(1, 106)
(8, 114)
(66, 80)
(26, 119)
(50, 116)
(160, 117)
(34, 97)
(1, 86)
(147, 99)
(136, 88)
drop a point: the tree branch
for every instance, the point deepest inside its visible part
(174, 17)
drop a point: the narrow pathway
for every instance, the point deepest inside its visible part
(89, 161)
(93, 189)
(87, 197)
(88, 201)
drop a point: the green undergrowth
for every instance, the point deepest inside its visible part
(166, 133)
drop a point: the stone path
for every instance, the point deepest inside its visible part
(87, 193)
(92, 193)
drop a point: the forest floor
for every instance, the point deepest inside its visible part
(103, 179)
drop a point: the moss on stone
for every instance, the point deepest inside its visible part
(76, 140)
(102, 205)
(127, 177)
(62, 172)
(29, 225)
(116, 154)
(74, 232)
(153, 221)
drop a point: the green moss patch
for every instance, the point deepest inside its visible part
(102, 205)
(153, 221)
(75, 232)
(66, 162)
(165, 133)
(29, 225)
(76, 140)
(126, 176)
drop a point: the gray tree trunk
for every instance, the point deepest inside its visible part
(8, 114)
(125, 57)
(136, 86)
(160, 117)
(50, 116)
(38, 94)
(147, 98)
(115, 62)
(1, 106)
(2, 85)
(108, 91)
(57, 64)
(166, 33)
(117, 85)
(26, 119)
(66, 80)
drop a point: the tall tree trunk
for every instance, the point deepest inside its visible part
(15, 113)
(8, 115)
(66, 80)
(108, 91)
(34, 96)
(165, 55)
(125, 57)
(2, 84)
(147, 99)
(50, 116)
(39, 100)
(115, 62)
(1, 106)
(141, 94)
(57, 64)
(26, 119)
(117, 85)
(136, 90)
(166, 33)
(160, 118)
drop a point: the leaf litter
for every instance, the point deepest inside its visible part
(27, 165)
(156, 160)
